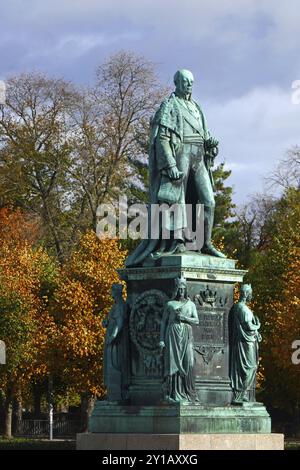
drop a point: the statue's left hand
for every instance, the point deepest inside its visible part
(211, 147)
(212, 142)
(214, 152)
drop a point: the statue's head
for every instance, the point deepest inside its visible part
(183, 80)
(246, 292)
(116, 290)
(181, 288)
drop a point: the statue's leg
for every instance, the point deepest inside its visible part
(160, 249)
(177, 245)
(206, 197)
(178, 242)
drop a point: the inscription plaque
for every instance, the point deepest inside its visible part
(211, 327)
(209, 335)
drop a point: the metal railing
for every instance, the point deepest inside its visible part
(41, 428)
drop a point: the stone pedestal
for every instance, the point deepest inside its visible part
(179, 419)
(167, 442)
(144, 421)
(210, 282)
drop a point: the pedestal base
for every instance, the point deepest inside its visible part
(173, 419)
(100, 441)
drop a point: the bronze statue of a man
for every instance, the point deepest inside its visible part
(180, 159)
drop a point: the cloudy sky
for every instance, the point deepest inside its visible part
(244, 54)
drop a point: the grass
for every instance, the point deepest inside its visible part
(292, 444)
(21, 443)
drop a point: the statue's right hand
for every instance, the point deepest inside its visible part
(162, 345)
(173, 173)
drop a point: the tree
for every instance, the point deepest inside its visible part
(63, 152)
(35, 131)
(224, 203)
(25, 275)
(287, 172)
(275, 277)
(81, 302)
(224, 224)
(253, 228)
(113, 126)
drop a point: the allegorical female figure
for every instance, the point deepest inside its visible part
(244, 339)
(176, 342)
(115, 348)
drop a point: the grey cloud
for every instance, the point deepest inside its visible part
(255, 131)
(243, 53)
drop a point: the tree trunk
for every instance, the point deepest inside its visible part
(8, 408)
(17, 415)
(37, 400)
(87, 406)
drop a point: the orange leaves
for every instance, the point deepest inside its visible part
(276, 279)
(17, 227)
(50, 317)
(80, 303)
(24, 320)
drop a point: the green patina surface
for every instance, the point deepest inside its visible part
(189, 369)
(181, 156)
(180, 419)
(150, 289)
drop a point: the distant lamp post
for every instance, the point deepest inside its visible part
(2, 352)
(50, 394)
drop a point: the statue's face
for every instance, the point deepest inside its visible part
(184, 83)
(249, 296)
(181, 292)
(116, 293)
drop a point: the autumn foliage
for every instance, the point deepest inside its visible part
(51, 316)
(64, 151)
(81, 301)
(26, 273)
(276, 280)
